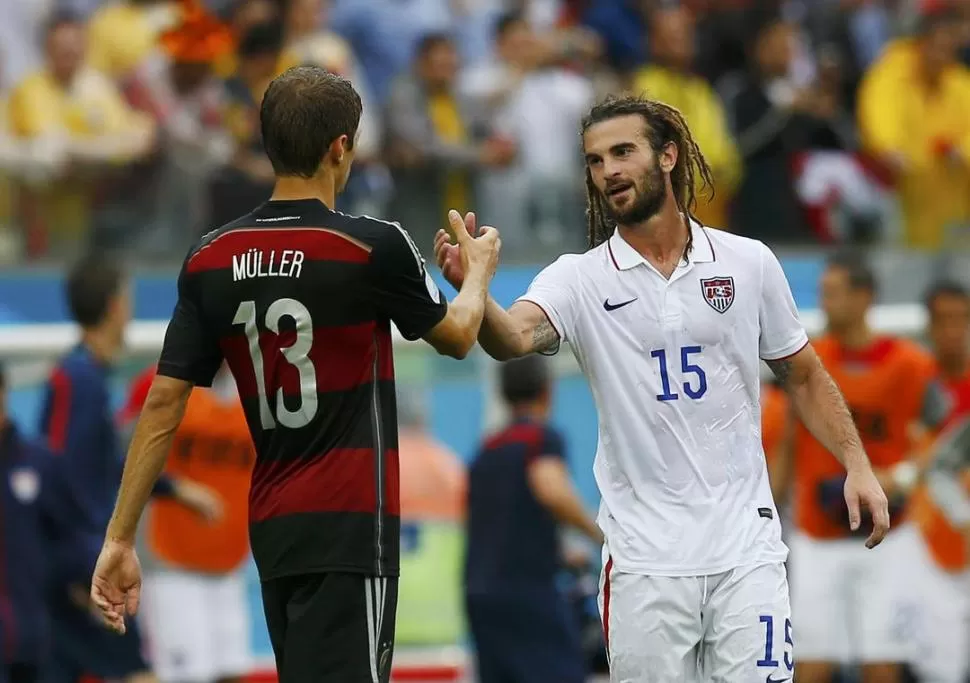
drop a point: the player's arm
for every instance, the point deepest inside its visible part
(190, 356)
(405, 292)
(815, 398)
(820, 406)
(781, 466)
(534, 323)
(522, 329)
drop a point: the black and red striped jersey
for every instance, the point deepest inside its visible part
(299, 300)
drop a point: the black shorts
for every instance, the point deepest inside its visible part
(331, 627)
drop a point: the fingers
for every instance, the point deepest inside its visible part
(880, 521)
(855, 516)
(488, 233)
(470, 223)
(133, 600)
(111, 613)
(456, 223)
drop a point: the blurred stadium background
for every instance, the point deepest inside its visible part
(131, 125)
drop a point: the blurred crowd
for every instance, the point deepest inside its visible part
(133, 124)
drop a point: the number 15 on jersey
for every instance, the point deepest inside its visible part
(693, 378)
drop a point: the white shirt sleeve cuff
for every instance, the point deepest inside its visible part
(789, 349)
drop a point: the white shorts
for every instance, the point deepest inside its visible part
(198, 626)
(940, 632)
(732, 627)
(852, 604)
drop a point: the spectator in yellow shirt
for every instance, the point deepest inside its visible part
(79, 108)
(913, 117)
(124, 33)
(670, 80)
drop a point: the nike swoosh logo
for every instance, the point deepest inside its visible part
(776, 680)
(612, 307)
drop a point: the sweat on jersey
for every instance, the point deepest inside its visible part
(674, 369)
(299, 300)
(79, 426)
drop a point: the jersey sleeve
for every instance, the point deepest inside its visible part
(550, 444)
(782, 333)
(553, 290)
(403, 288)
(191, 350)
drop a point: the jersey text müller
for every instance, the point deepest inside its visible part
(256, 263)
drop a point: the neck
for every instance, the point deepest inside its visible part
(533, 412)
(954, 366)
(322, 186)
(662, 237)
(102, 343)
(855, 336)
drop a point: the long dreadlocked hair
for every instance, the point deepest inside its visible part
(664, 124)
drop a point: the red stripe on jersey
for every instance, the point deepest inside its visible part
(607, 570)
(60, 414)
(342, 358)
(342, 480)
(316, 244)
(527, 433)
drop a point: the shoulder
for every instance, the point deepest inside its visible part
(564, 268)
(734, 246)
(34, 83)
(915, 356)
(553, 442)
(77, 370)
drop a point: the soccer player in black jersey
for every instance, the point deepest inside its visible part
(299, 300)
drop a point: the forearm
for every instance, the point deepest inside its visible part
(517, 332)
(149, 449)
(820, 406)
(502, 336)
(468, 308)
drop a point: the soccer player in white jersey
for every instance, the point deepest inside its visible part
(669, 321)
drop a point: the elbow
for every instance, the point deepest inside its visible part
(459, 347)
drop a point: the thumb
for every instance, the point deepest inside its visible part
(852, 501)
(457, 229)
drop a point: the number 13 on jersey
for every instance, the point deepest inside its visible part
(297, 355)
(694, 379)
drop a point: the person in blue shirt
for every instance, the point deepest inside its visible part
(78, 422)
(31, 510)
(519, 493)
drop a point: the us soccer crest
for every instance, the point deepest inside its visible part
(718, 292)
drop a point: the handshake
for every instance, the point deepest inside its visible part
(464, 249)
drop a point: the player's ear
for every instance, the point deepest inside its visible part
(668, 157)
(338, 149)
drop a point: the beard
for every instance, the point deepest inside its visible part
(646, 203)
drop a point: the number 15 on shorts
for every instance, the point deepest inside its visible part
(773, 649)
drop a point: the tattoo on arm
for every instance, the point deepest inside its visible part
(821, 407)
(782, 370)
(544, 336)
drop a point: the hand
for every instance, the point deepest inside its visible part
(448, 255)
(116, 585)
(200, 499)
(497, 152)
(862, 488)
(476, 253)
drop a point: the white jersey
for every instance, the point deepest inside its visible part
(674, 370)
